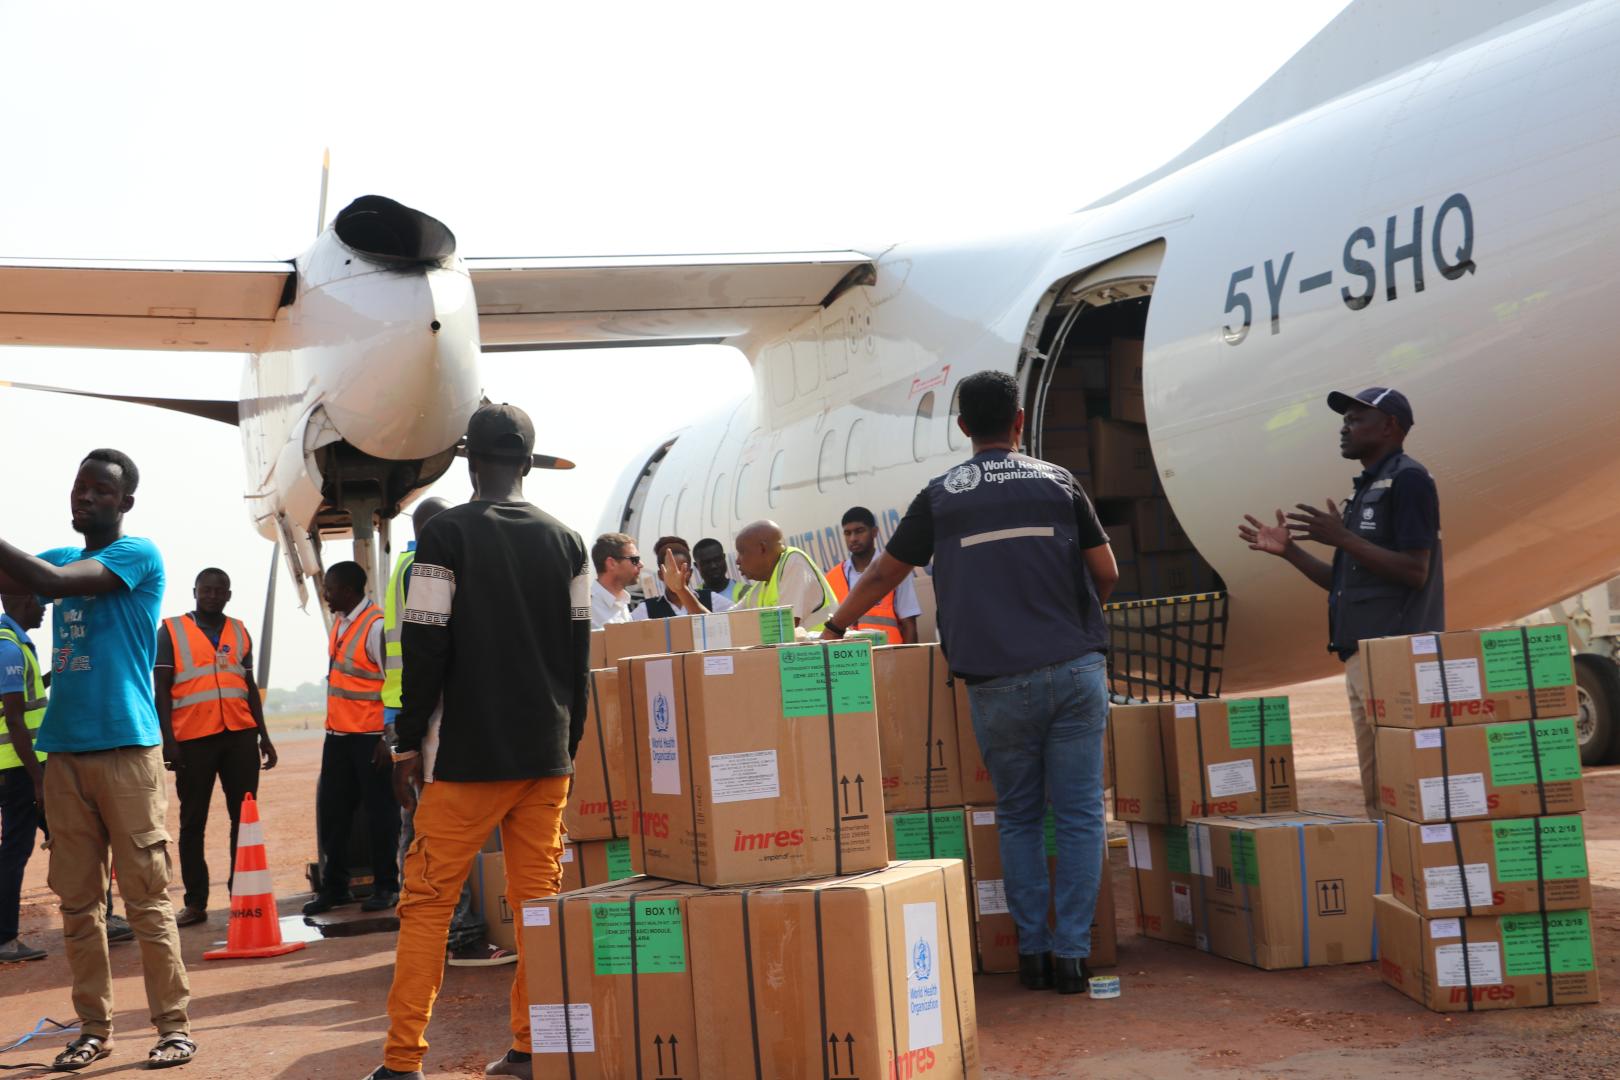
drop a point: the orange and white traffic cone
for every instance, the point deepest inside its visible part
(255, 928)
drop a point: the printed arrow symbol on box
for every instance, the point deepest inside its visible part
(940, 745)
(860, 795)
(832, 1041)
(844, 780)
(674, 1054)
(849, 1045)
(658, 1041)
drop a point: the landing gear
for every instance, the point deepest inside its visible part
(1597, 725)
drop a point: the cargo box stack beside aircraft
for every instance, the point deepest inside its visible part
(1480, 778)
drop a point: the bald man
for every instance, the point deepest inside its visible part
(782, 576)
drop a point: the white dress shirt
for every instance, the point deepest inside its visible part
(607, 607)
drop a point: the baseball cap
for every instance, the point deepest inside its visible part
(502, 431)
(1382, 398)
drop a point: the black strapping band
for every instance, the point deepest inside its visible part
(1456, 836)
(928, 757)
(950, 941)
(821, 991)
(832, 747)
(748, 968)
(635, 981)
(1535, 823)
(601, 744)
(568, 1025)
(691, 780)
(1203, 776)
(637, 811)
(1265, 775)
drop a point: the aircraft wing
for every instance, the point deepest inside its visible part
(214, 307)
(655, 299)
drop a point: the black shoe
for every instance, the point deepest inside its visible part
(324, 903)
(380, 901)
(1035, 971)
(383, 1072)
(1072, 973)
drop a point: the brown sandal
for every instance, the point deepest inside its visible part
(177, 1041)
(81, 1053)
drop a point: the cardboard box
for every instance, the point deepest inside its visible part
(736, 629)
(1155, 526)
(1121, 460)
(1174, 573)
(1286, 890)
(594, 862)
(610, 981)
(977, 790)
(1125, 400)
(1506, 959)
(598, 649)
(749, 768)
(1506, 871)
(864, 976)
(1486, 678)
(995, 938)
(916, 715)
(488, 879)
(1186, 759)
(1162, 882)
(599, 796)
(1122, 540)
(1487, 771)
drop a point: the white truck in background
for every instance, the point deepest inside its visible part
(1593, 620)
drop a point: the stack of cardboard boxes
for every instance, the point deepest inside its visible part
(1221, 857)
(773, 937)
(1095, 425)
(941, 804)
(1480, 778)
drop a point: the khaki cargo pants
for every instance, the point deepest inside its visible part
(1364, 725)
(114, 801)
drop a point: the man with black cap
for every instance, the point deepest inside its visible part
(496, 643)
(1387, 577)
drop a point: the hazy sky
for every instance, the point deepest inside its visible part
(195, 131)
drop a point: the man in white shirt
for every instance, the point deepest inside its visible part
(618, 564)
(783, 576)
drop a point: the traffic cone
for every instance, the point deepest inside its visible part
(255, 927)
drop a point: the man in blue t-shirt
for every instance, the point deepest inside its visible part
(104, 787)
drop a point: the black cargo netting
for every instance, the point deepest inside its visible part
(1168, 649)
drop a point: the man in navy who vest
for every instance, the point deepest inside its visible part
(1387, 577)
(1021, 569)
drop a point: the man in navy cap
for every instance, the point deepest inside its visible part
(1387, 577)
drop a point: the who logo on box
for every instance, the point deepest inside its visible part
(922, 960)
(661, 713)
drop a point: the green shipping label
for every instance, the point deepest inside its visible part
(1176, 858)
(1569, 940)
(804, 678)
(1245, 864)
(1243, 723)
(775, 625)
(913, 841)
(1513, 757)
(1563, 848)
(660, 937)
(1503, 651)
(618, 859)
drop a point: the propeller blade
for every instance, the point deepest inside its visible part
(540, 461)
(225, 412)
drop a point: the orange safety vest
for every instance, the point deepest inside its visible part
(353, 683)
(880, 616)
(210, 690)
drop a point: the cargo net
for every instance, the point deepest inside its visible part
(1168, 649)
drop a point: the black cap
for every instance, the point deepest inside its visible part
(1382, 398)
(502, 431)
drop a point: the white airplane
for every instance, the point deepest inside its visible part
(1424, 196)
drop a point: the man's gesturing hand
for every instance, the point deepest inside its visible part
(1271, 539)
(1322, 526)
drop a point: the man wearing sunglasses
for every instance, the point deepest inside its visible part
(618, 564)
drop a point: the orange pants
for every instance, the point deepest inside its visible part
(452, 822)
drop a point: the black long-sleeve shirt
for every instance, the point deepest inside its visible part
(497, 627)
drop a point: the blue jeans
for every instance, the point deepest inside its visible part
(1041, 734)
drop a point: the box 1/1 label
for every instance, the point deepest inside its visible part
(1563, 848)
(804, 678)
(914, 839)
(660, 937)
(1246, 718)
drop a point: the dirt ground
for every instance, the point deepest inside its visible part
(320, 1012)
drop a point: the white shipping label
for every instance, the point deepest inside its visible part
(1425, 645)
(1467, 795)
(992, 896)
(1462, 681)
(925, 1005)
(536, 916)
(1430, 738)
(1445, 928)
(1138, 850)
(1201, 857)
(984, 817)
(1436, 834)
(1443, 885)
(740, 777)
(663, 736)
(1484, 964)
(568, 853)
(1186, 710)
(1231, 778)
(1181, 903)
(555, 1032)
(1202, 940)
(711, 632)
(718, 665)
